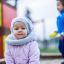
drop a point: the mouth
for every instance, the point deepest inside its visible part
(19, 34)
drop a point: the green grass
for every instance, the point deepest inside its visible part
(49, 50)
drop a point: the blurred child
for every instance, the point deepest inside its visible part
(21, 46)
(60, 25)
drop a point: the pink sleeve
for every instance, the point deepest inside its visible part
(34, 53)
(8, 56)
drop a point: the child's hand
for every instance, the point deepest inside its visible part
(61, 37)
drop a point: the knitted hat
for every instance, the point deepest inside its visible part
(26, 21)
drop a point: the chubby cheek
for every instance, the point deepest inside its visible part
(15, 33)
(25, 33)
(59, 8)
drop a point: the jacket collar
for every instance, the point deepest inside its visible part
(62, 11)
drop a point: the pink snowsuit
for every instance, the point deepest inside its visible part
(26, 54)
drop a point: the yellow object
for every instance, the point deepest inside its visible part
(0, 14)
(4, 43)
(53, 35)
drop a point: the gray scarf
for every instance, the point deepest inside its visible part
(13, 41)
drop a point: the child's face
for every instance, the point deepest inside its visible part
(59, 6)
(20, 30)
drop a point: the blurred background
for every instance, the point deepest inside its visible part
(43, 14)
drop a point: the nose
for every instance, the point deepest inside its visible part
(20, 30)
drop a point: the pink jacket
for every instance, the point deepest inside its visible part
(26, 54)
